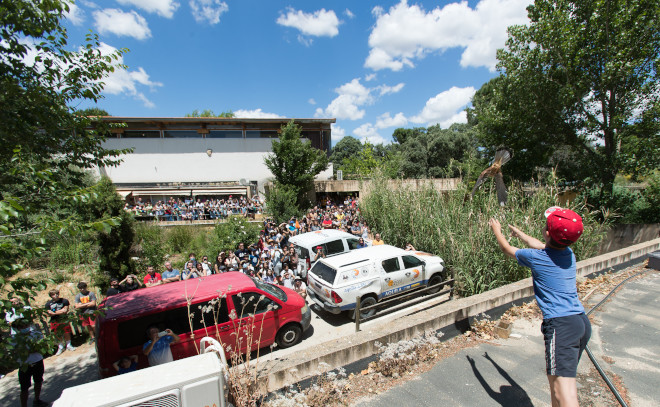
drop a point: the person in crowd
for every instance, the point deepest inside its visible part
(126, 364)
(361, 243)
(320, 254)
(114, 287)
(32, 369)
(293, 260)
(170, 274)
(300, 287)
(254, 257)
(377, 240)
(200, 270)
(152, 278)
(190, 272)
(269, 278)
(192, 259)
(15, 313)
(85, 305)
(232, 262)
(355, 228)
(207, 267)
(57, 308)
(157, 349)
(287, 279)
(241, 252)
(410, 247)
(130, 283)
(566, 328)
(219, 266)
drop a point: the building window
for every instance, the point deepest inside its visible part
(261, 134)
(225, 134)
(182, 134)
(141, 134)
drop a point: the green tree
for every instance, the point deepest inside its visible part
(43, 140)
(295, 162)
(93, 111)
(209, 113)
(347, 147)
(282, 202)
(114, 245)
(572, 83)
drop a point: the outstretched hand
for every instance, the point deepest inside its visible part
(515, 232)
(495, 225)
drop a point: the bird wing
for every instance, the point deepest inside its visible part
(502, 156)
(482, 177)
(500, 188)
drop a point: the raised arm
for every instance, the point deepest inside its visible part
(532, 242)
(501, 240)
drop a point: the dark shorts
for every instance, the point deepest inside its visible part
(565, 339)
(34, 372)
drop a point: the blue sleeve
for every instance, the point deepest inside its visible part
(146, 344)
(524, 257)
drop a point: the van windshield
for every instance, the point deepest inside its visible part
(301, 251)
(324, 272)
(275, 291)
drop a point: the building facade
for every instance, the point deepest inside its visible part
(200, 157)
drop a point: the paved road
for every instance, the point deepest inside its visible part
(511, 372)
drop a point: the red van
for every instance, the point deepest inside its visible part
(281, 314)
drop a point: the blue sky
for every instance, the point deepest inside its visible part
(373, 65)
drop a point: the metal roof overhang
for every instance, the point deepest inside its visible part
(221, 191)
(178, 192)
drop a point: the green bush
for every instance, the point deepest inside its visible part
(229, 234)
(455, 227)
(151, 248)
(72, 251)
(180, 238)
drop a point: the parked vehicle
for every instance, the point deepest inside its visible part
(224, 299)
(372, 273)
(194, 381)
(332, 241)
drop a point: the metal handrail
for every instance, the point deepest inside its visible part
(359, 308)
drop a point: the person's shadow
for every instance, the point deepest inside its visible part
(512, 395)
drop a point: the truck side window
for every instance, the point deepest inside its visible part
(391, 265)
(334, 247)
(132, 332)
(352, 243)
(249, 303)
(411, 261)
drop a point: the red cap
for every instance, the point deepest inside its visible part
(564, 225)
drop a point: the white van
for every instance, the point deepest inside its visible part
(373, 273)
(332, 241)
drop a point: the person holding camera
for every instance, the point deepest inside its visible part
(157, 349)
(129, 283)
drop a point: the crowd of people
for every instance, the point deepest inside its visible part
(179, 209)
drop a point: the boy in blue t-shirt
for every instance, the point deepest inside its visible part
(126, 364)
(566, 329)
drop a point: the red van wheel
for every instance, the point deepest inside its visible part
(288, 336)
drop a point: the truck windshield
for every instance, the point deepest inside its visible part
(324, 272)
(270, 289)
(301, 251)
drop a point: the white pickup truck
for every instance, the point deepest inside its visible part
(373, 273)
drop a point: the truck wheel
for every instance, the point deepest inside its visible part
(366, 302)
(435, 279)
(288, 336)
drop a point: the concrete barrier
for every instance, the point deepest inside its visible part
(360, 345)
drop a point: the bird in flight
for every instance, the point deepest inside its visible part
(502, 156)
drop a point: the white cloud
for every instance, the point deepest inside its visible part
(337, 132)
(255, 114)
(408, 33)
(385, 120)
(320, 23)
(208, 11)
(164, 8)
(115, 21)
(370, 77)
(352, 95)
(367, 132)
(124, 81)
(384, 89)
(446, 107)
(306, 41)
(76, 15)
(348, 13)
(311, 101)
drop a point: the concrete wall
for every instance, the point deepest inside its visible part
(621, 236)
(177, 160)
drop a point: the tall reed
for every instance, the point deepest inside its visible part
(455, 227)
